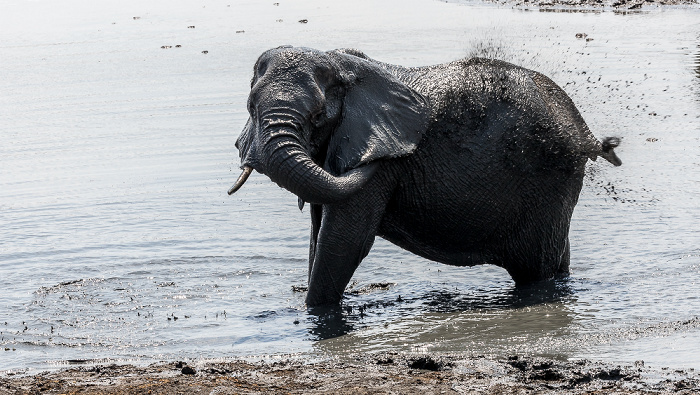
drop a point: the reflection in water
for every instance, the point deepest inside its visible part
(515, 298)
(494, 321)
(328, 322)
(332, 321)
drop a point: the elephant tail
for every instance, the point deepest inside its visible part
(608, 152)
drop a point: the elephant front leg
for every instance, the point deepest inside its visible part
(316, 215)
(346, 235)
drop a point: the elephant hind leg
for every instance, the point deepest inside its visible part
(539, 265)
(537, 246)
(563, 270)
(538, 253)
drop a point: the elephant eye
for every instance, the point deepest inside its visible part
(324, 77)
(262, 68)
(251, 107)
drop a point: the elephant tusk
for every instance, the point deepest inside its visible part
(241, 179)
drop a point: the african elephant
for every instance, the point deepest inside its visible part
(472, 162)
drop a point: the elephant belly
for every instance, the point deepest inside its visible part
(437, 247)
(453, 216)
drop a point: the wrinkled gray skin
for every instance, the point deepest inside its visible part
(471, 162)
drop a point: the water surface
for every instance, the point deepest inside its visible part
(119, 242)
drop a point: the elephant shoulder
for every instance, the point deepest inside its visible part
(397, 71)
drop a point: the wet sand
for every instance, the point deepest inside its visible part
(368, 374)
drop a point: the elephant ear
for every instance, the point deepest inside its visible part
(382, 117)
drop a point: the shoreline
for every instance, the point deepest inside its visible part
(368, 373)
(618, 6)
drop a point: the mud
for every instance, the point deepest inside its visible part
(368, 373)
(594, 5)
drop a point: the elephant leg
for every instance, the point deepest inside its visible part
(316, 212)
(539, 252)
(346, 234)
(565, 260)
(538, 248)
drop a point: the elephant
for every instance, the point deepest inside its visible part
(475, 161)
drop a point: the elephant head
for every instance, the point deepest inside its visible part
(320, 120)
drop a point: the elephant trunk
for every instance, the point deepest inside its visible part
(291, 167)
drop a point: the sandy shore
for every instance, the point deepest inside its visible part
(367, 374)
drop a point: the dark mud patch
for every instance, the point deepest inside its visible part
(370, 288)
(594, 5)
(572, 375)
(427, 362)
(368, 373)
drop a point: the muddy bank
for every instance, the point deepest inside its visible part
(595, 5)
(368, 373)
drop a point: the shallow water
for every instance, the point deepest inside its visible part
(120, 244)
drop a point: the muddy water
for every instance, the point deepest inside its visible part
(119, 243)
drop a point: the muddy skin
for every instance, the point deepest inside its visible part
(366, 374)
(489, 129)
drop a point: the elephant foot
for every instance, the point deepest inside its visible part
(323, 297)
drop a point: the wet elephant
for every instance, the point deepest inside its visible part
(471, 162)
